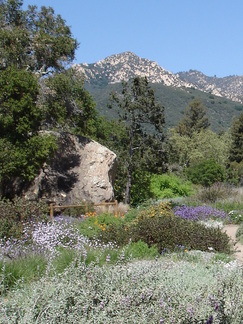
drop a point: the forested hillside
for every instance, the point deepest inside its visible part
(220, 110)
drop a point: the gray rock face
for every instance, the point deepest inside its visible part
(81, 169)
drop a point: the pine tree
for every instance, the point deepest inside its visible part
(195, 119)
(144, 120)
(236, 151)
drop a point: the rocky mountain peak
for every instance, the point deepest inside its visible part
(127, 65)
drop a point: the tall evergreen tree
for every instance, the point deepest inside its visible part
(144, 120)
(236, 151)
(195, 119)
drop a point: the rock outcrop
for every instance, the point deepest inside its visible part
(81, 169)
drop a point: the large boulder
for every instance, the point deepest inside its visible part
(81, 170)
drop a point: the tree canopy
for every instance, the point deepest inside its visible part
(203, 145)
(195, 119)
(39, 41)
(138, 109)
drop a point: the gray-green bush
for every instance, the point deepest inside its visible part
(159, 291)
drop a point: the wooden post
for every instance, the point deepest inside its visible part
(51, 211)
(116, 208)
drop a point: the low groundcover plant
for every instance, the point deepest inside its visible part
(159, 291)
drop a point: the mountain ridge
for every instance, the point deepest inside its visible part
(124, 66)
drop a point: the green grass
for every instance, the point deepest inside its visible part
(29, 269)
(22, 270)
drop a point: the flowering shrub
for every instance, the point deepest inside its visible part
(236, 216)
(139, 292)
(157, 225)
(122, 231)
(199, 213)
(94, 224)
(58, 242)
(161, 209)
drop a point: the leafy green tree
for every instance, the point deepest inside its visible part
(67, 105)
(138, 109)
(187, 151)
(19, 117)
(206, 173)
(178, 148)
(208, 145)
(23, 149)
(38, 41)
(195, 119)
(34, 44)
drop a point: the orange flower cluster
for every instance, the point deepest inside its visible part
(90, 214)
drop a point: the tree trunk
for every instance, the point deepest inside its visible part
(128, 186)
(129, 169)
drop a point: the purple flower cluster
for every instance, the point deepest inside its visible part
(199, 213)
(45, 238)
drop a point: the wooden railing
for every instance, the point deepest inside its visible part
(84, 205)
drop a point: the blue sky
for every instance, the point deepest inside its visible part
(205, 35)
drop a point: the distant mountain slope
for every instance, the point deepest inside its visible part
(221, 96)
(230, 87)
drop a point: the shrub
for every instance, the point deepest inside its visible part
(157, 225)
(214, 192)
(118, 233)
(169, 186)
(121, 232)
(140, 250)
(236, 216)
(14, 213)
(171, 231)
(206, 173)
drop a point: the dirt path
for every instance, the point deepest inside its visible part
(231, 231)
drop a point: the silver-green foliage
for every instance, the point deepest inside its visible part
(159, 291)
